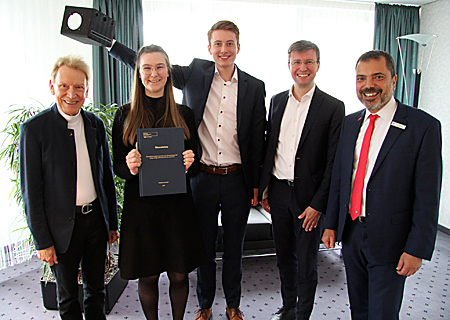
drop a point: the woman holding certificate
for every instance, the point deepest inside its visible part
(158, 233)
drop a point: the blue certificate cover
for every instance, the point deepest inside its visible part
(162, 170)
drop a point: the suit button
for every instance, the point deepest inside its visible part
(70, 134)
(71, 219)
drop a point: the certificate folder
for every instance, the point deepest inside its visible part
(162, 170)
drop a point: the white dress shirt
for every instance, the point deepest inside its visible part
(291, 128)
(382, 124)
(218, 130)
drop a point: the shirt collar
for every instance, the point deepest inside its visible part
(386, 113)
(234, 78)
(309, 94)
(69, 119)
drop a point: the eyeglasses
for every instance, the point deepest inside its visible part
(306, 63)
(149, 70)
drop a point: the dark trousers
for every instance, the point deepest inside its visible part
(88, 247)
(227, 194)
(375, 289)
(296, 249)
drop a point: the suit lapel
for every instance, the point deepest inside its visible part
(313, 111)
(277, 116)
(392, 135)
(209, 74)
(242, 89)
(90, 133)
(208, 79)
(354, 126)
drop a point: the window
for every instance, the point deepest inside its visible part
(342, 32)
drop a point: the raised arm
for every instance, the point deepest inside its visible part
(124, 54)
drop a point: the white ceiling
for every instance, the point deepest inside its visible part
(411, 2)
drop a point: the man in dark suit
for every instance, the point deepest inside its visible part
(302, 134)
(385, 192)
(68, 190)
(228, 106)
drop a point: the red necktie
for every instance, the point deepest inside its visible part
(358, 184)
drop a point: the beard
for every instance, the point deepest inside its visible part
(380, 100)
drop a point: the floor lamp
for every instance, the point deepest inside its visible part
(422, 39)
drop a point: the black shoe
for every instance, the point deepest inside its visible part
(284, 314)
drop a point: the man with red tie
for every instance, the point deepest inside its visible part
(385, 191)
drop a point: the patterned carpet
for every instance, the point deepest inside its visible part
(426, 293)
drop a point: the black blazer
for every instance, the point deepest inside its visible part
(195, 82)
(316, 149)
(48, 176)
(403, 191)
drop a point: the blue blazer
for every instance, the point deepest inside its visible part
(48, 176)
(195, 82)
(315, 151)
(403, 191)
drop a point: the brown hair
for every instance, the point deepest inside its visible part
(302, 46)
(141, 117)
(71, 62)
(224, 25)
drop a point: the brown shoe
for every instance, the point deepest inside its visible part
(234, 314)
(204, 314)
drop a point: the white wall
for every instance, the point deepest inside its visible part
(436, 83)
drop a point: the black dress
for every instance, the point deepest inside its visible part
(157, 233)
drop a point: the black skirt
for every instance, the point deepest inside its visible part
(159, 233)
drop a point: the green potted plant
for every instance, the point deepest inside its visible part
(9, 154)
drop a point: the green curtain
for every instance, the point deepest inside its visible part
(392, 21)
(112, 80)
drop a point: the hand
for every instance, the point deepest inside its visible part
(312, 217)
(134, 161)
(188, 158)
(329, 238)
(113, 236)
(255, 197)
(265, 204)
(408, 265)
(48, 255)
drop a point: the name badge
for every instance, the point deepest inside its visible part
(398, 125)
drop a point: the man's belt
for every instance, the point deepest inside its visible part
(220, 170)
(87, 207)
(290, 183)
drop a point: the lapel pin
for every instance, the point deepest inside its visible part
(398, 125)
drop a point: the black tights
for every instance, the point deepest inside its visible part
(178, 292)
